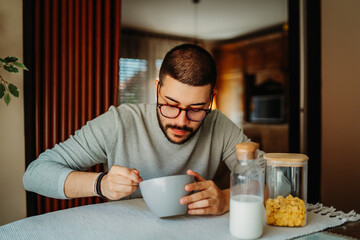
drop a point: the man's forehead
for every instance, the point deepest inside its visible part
(184, 93)
(169, 82)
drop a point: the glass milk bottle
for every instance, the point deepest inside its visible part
(247, 188)
(286, 189)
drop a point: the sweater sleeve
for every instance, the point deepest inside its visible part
(87, 147)
(232, 135)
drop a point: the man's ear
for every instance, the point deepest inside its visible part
(156, 83)
(213, 104)
(214, 93)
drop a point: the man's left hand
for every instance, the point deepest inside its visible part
(208, 200)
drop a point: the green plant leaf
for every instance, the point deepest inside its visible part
(3, 61)
(2, 90)
(11, 59)
(7, 98)
(21, 66)
(13, 90)
(11, 68)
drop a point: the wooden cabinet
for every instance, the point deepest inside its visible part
(230, 97)
(246, 64)
(254, 59)
(254, 54)
(265, 54)
(274, 54)
(229, 61)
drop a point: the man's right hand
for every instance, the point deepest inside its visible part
(120, 182)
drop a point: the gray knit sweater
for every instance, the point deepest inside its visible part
(130, 136)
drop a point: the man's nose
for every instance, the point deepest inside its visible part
(182, 120)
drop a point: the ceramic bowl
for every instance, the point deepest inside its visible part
(162, 195)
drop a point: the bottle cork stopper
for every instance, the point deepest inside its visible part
(247, 150)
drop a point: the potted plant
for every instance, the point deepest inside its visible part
(7, 89)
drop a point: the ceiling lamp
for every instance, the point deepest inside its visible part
(196, 20)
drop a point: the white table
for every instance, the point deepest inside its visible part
(131, 219)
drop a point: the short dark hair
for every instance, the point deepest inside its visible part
(189, 64)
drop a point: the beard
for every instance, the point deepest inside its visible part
(183, 128)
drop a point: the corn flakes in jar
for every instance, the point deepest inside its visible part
(286, 189)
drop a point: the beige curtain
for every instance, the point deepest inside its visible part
(149, 47)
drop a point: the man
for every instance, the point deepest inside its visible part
(179, 134)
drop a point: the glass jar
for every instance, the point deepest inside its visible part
(247, 198)
(286, 189)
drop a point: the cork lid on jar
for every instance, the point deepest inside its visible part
(247, 150)
(286, 159)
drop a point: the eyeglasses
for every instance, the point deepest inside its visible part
(193, 114)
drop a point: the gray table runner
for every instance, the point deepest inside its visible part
(131, 219)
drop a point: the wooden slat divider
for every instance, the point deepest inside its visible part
(76, 73)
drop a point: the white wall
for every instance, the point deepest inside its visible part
(12, 141)
(340, 185)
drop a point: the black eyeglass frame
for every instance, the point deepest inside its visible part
(160, 105)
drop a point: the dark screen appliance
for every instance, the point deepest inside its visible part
(267, 109)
